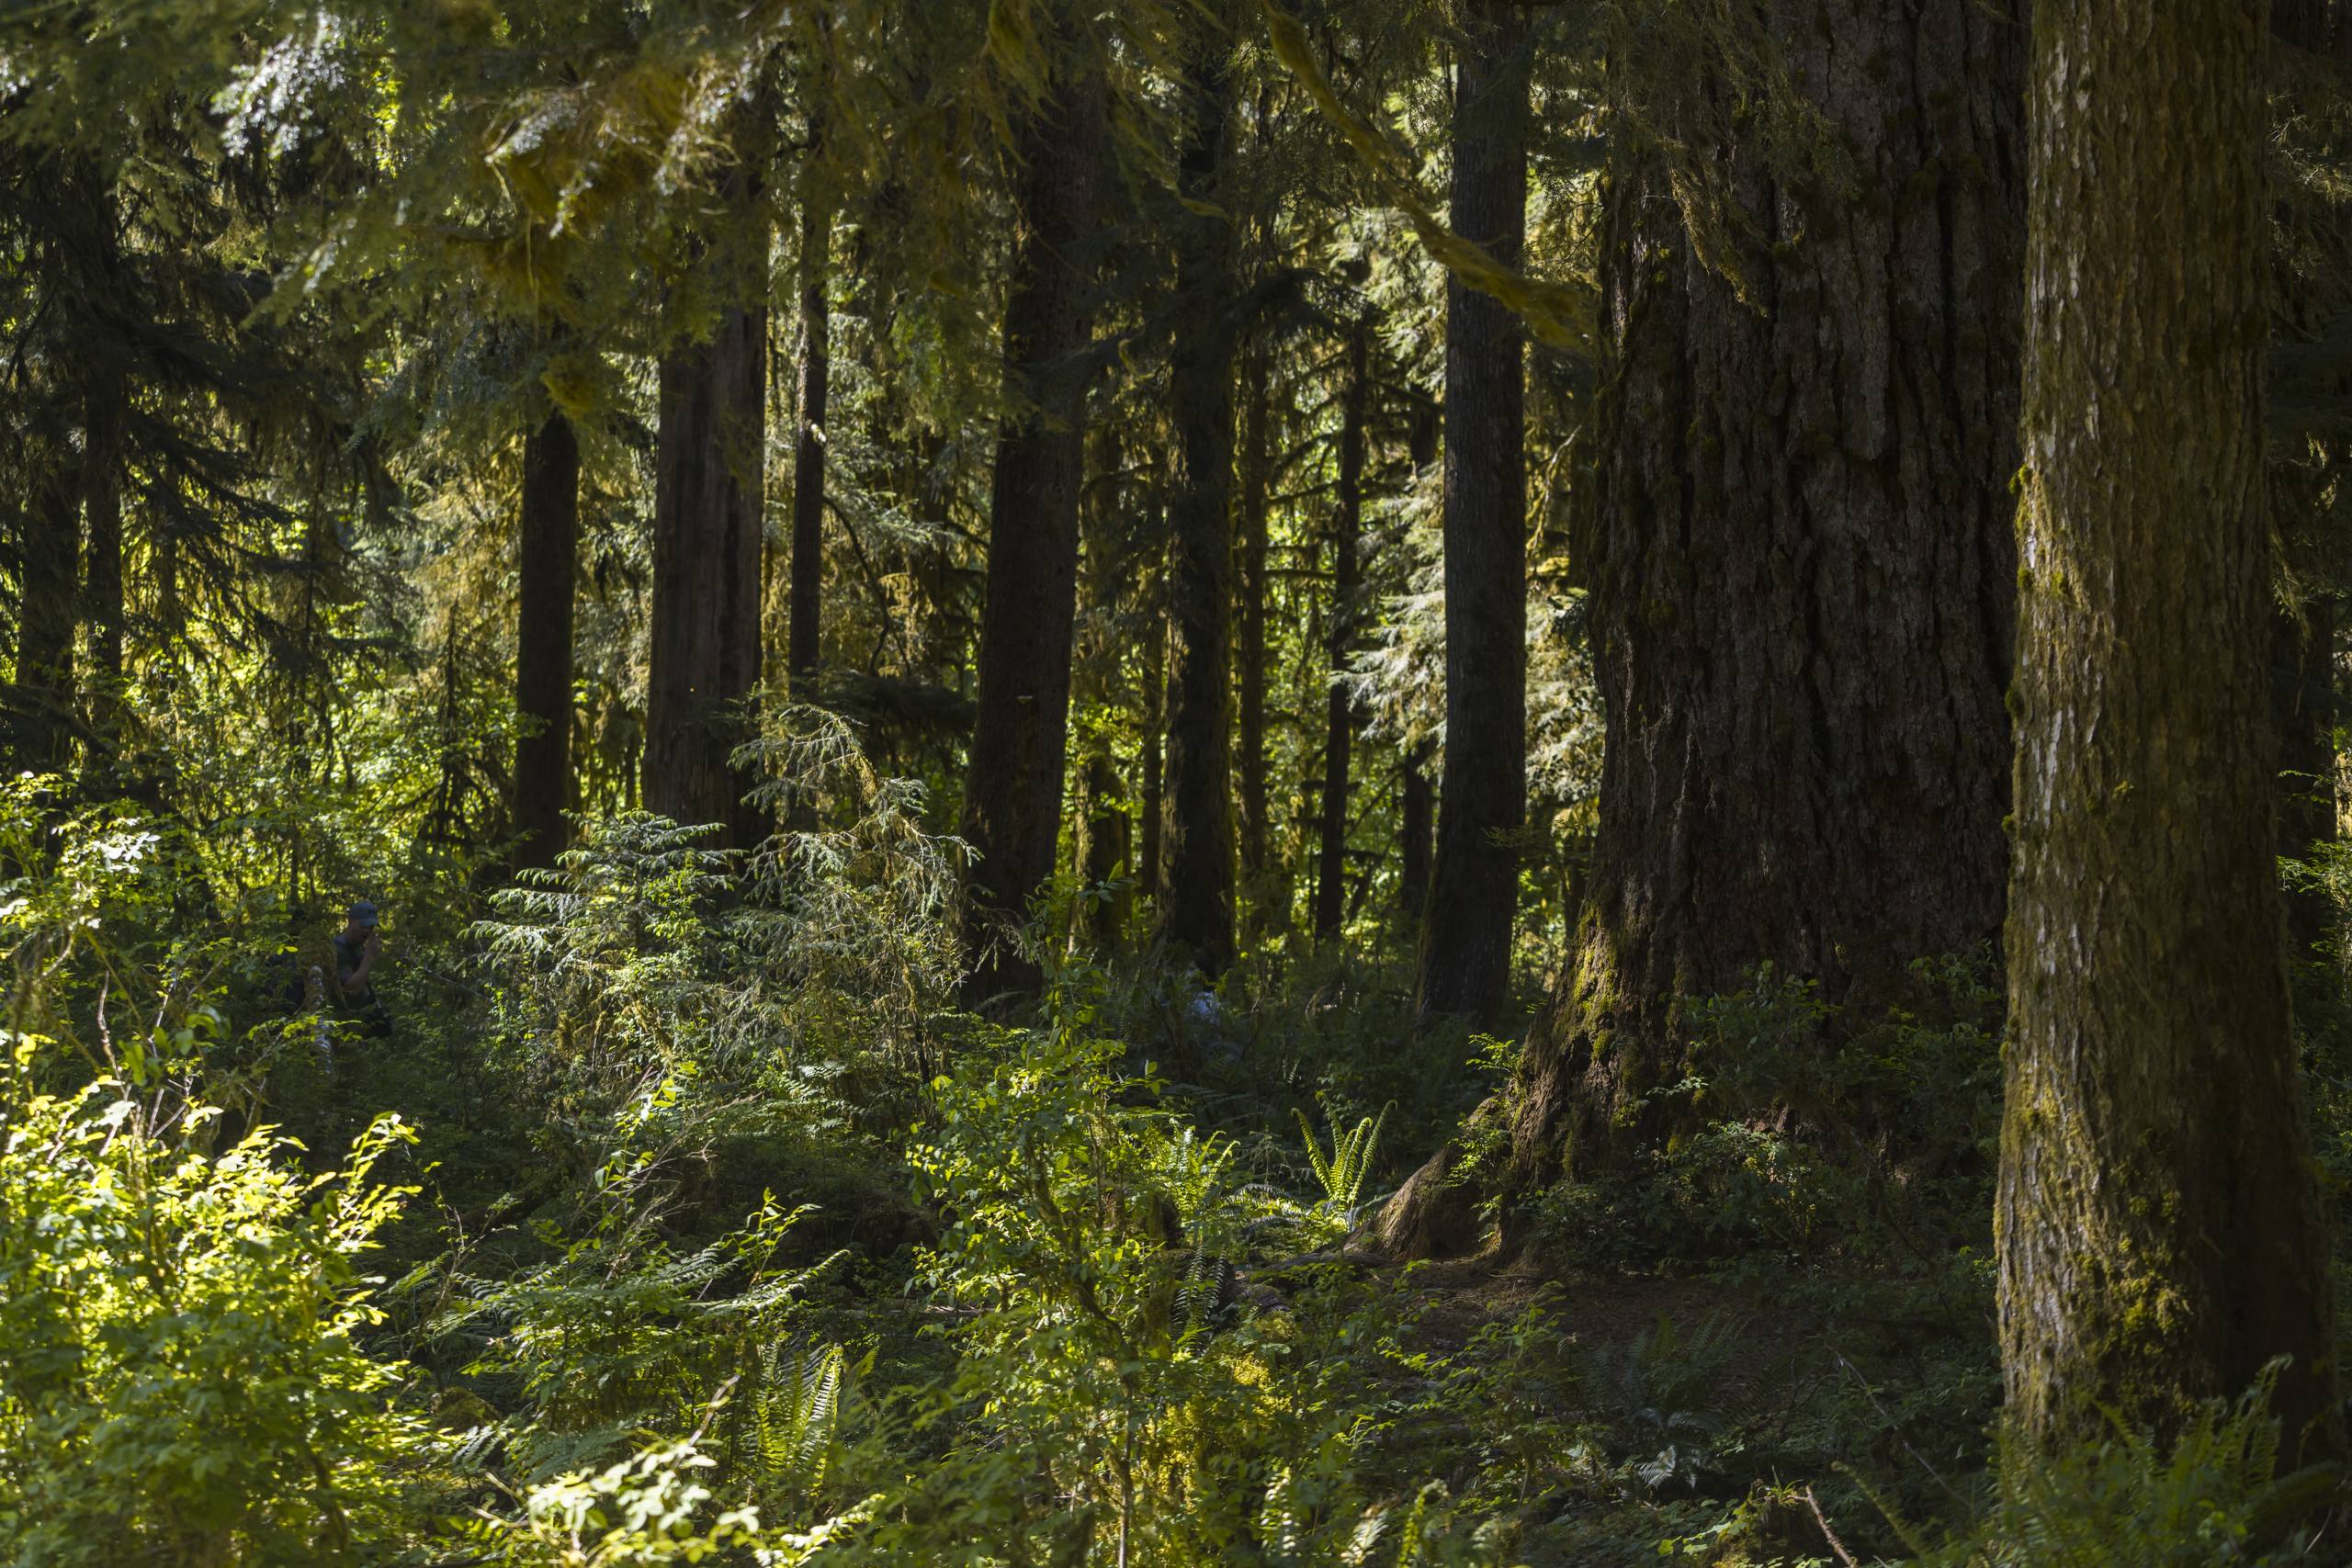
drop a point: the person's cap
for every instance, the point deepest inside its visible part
(363, 913)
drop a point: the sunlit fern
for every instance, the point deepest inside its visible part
(786, 1439)
(1343, 1170)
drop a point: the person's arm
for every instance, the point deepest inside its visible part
(368, 953)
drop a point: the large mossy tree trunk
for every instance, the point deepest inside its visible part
(1801, 561)
(704, 648)
(549, 564)
(1197, 839)
(1464, 967)
(1013, 796)
(2159, 1235)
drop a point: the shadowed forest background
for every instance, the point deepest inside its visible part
(1175, 782)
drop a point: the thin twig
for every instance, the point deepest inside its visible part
(1826, 1533)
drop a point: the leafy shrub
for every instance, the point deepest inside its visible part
(184, 1378)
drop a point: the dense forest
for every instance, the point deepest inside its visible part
(1173, 783)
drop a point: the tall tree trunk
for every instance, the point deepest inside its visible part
(1013, 795)
(106, 403)
(1465, 960)
(549, 567)
(1108, 833)
(47, 597)
(1152, 808)
(1249, 655)
(802, 646)
(1338, 742)
(1416, 813)
(2159, 1236)
(1416, 808)
(1801, 561)
(704, 648)
(1196, 893)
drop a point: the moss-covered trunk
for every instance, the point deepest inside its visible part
(1799, 555)
(2158, 1231)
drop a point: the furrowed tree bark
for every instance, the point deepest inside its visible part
(549, 567)
(804, 626)
(1249, 655)
(703, 648)
(1801, 561)
(2158, 1231)
(1012, 797)
(1464, 966)
(1197, 848)
(1338, 734)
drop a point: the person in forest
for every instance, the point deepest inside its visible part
(358, 948)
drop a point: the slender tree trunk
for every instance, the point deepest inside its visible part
(1196, 896)
(102, 508)
(46, 601)
(1152, 808)
(2158, 1231)
(1801, 561)
(1013, 799)
(1416, 808)
(1338, 742)
(1416, 812)
(802, 645)
(1465, 961)
(549, 563)
(704, 648)
(1108, 832)
(1250, 657)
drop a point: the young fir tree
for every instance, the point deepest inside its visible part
(2158, 1231)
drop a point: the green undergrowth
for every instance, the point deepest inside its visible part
(681, 1217)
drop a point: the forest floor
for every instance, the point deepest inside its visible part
(1626, 1388)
